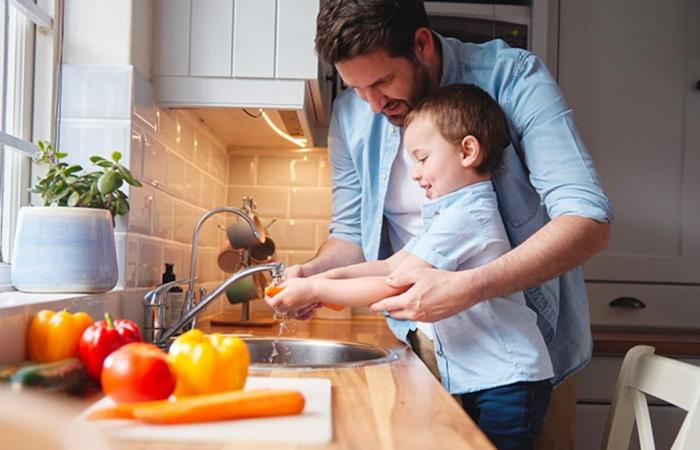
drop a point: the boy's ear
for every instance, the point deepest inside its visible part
(471, 152)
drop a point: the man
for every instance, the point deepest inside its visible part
(555, 212)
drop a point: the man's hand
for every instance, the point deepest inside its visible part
(295, 271)
(434, 294)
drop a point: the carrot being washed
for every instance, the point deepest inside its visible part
(271, 291)
(208, 408)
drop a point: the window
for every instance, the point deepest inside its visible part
(29, 54)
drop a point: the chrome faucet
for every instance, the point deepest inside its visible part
(155, 325)
(275, 268)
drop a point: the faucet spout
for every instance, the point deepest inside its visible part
(275, 268)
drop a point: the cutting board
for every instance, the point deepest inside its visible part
(313, 426)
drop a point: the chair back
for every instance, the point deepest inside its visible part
(644, 373)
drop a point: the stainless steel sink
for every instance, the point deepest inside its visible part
(268, 353)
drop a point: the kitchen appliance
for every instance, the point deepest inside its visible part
(531, 25)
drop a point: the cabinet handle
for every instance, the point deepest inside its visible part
(627, 302)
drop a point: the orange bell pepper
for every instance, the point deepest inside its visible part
(271, 291)
(55, 336)
(208, 364)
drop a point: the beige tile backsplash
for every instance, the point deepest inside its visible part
(291, 186)
(179, 186)
(186, 170)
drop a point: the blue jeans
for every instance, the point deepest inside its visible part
(511, 415)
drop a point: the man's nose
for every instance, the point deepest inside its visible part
(375, 99)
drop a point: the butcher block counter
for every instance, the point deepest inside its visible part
(398, 405)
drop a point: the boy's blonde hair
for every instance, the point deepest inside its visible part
(459, 110)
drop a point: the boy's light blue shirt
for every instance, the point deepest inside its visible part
(546, 172)
(495, 342)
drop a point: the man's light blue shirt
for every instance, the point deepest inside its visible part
(495, 342)
(546, 172)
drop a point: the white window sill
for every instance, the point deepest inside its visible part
(13, 298)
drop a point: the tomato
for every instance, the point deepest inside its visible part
(137, 372)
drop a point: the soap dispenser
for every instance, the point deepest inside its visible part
(174, 298)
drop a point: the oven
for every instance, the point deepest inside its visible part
(527, 24)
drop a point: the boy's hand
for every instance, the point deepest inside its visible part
(298, 297)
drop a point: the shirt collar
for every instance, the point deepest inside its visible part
(450, 61)
(435, 205)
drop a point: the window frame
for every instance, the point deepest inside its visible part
(38, 108)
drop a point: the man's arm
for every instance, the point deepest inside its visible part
(333, 253)
(561, 245)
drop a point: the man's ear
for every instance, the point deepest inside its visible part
(471, 152)
(424, 44)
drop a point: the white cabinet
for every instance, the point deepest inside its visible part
(242, 53)
(629, 70)
(211, 38)
(254, 39)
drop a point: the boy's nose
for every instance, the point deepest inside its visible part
(415, 176)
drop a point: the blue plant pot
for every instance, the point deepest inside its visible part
(63, 249)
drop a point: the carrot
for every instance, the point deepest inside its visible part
(333, 306)
(120, 410)
(271, 291)
(222, 406)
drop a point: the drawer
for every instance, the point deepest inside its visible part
(590, 426)
(664, 305)
(595, 383)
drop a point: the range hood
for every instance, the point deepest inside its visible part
(240, 124)
(247, 54)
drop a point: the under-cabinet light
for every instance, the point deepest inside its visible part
(301, 142)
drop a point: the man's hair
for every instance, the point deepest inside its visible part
(349, 28)
(459, 110)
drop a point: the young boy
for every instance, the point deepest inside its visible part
(491, 355)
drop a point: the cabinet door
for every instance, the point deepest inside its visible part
(171, 37)
(212, 38)
(254, 39)
(628, 69)
(296, 29)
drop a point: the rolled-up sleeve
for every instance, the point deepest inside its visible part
(560, 167)
(347, 190)
(450, 240)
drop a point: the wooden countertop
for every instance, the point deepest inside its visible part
(399, 405)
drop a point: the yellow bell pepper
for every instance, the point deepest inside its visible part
(208, 364)
(55, 336)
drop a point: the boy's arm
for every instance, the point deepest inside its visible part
(298, 293)
(366, 269)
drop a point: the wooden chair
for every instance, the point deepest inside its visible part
(673, 381)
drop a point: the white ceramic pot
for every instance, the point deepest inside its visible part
(63, 249)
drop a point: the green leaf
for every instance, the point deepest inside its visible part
(73, 168)
(105, 163)
(71, 180)
(74, 198)
(116, 156)
(96, 158)
(107, 182)
(60, 155)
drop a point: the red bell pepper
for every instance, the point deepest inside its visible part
(101, 339)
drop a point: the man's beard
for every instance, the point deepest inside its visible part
(420, 81)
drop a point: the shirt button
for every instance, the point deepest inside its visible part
(440, 354)
(383, 176)
(437, 213)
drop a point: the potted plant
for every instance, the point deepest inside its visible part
(68, 244)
